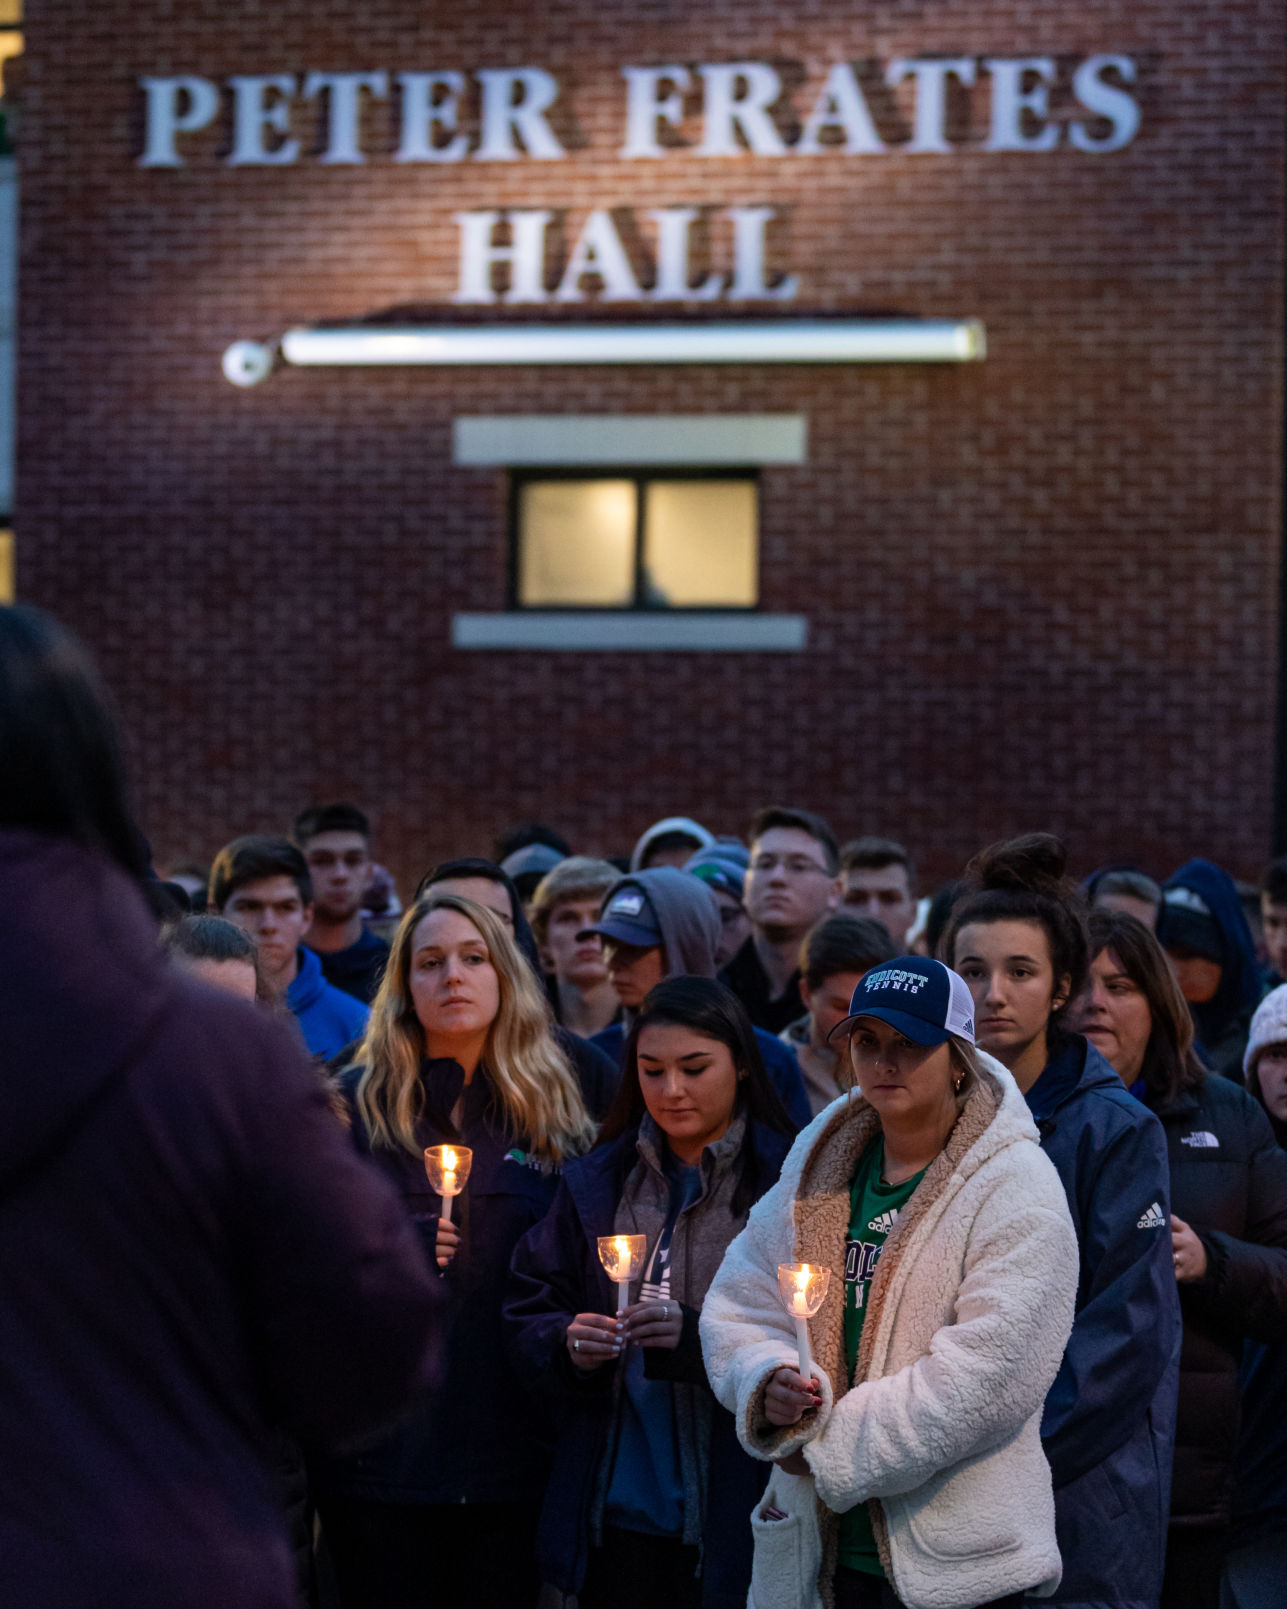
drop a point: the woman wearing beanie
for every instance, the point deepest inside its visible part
(1228, 1229)
(1018, 937)
(909, 1468)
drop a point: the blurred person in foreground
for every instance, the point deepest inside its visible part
(833, 961)
(335, 841)
(192, 1257)
(1228, 1229)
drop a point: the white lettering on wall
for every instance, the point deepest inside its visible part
(255, 114)
(515, 100)
(738, 96)
(1108, 101)
(175, 106)
(1010, 100)
(843, 106)
(645, 107)
(599, 254)
(929, 128)
(524, 256)
(502, 115)
(343, 92)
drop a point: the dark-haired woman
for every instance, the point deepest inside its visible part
(1228, 1228)
(1018, 937)
(649, 1482)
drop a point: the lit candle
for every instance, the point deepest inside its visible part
(448, 1169)
(621, 1256)
(803, 1288)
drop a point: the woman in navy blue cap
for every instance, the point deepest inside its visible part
(909, 1468)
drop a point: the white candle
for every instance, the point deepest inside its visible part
(802, 1347)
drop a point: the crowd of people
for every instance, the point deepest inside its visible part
(955, 1219)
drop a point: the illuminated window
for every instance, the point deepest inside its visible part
(6, 566)
(631, 541)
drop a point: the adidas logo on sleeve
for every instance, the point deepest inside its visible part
(1154, 1218)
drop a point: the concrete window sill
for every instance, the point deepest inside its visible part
(633, 632)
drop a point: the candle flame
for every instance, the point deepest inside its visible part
(448, 1159)
(622, 1246)
(803, 1275)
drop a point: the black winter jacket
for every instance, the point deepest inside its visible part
(190, 1256)
(473, 1437)
(1229, 1184)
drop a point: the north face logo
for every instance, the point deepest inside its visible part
(1154, 1218)
(884, 1223)
(1202, 1139)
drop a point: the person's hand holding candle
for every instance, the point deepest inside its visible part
(448, 1169)
(654, 1323)
(792, 1392)
(593, 1340)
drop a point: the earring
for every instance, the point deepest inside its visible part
(957, 1085)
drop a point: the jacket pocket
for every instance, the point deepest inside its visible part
(787, 1553)
(954, 1516)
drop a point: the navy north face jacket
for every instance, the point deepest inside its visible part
(1109, 1422)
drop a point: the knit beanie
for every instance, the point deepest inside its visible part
(1268, 1027)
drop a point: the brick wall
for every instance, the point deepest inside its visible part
(1041, 589)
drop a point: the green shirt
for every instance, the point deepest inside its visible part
(873, 1212)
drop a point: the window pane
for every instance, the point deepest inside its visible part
(6, 566)
(576, 543)
(700, 544)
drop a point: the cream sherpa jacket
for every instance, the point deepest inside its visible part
(939, 1430)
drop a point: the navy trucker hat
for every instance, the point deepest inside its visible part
(927, 1002)
(628, 917)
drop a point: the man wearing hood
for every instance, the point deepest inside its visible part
(672, 841)
(665, 923)
(1202, 927)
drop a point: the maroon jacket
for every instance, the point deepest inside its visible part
(191, 1254)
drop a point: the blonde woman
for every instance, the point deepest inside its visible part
(458, 1051)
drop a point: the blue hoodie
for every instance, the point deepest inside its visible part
(328, 1018)
(1108, 1428)
(1222, 1022)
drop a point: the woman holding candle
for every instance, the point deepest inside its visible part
(648, 1476)
(910, 1468)
(458, 1056)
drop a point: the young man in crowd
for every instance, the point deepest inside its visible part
(1273, 916)
(565, 904)
(672, 841)
(833, 960)
(879, 882)
(791, 884)
(335, 841)
(664, 923)
(722, 868)
(262, 884)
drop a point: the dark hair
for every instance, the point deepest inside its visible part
(713, 1011)
(1273, 882)
(1171, 1065)
(1125, 880)
(1025, 880)
(844, 942)
(246, 860)
(475, 866)
(530, 832)
(210, 938)
(329, 818)
(939, 915)
(62, 766)
(874, 854)
(802, 821)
